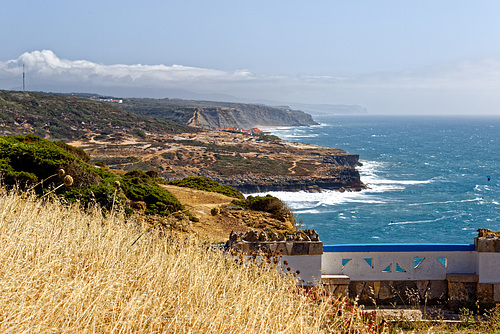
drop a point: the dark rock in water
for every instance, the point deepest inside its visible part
(257, 184)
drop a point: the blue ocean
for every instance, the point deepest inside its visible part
(430, 179)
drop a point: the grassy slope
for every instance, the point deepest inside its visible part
(68, 272)
(70, 118)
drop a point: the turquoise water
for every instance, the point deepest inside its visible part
(428, 179)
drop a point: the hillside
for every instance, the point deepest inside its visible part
(217, 226)
(211, 115)
(68, 118)
(47, 168)
(126, 141)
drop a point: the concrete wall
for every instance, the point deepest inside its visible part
(303, 258)
(393, 262)
(454, 274)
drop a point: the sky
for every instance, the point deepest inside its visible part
(389, 56)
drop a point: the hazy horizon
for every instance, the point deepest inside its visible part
(389, 57)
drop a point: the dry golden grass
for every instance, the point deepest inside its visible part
(64, 271)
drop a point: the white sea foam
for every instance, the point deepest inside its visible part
(312, 135)
(369, 175)
(305, 202)
(477, 199)
(417, 221)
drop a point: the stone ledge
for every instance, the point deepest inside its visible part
(336, 285)
(335, 279)
(487, 244)
(281, 247)
(462, 278)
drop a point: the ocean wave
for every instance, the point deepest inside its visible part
(313, 135)
(417, 221)
(310, 211)
(302, 201)
(370, 177)
(403, 182)
(477, 199)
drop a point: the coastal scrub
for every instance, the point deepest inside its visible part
(66, 271)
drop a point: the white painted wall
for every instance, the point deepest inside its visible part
(309, 266)
(488, 267)
(402, 265)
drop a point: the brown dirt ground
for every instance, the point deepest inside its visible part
(216, 228)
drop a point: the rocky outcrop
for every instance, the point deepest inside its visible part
(215, 114)
(247, 116)
(339, 173)
(349, 181)
(248, 163)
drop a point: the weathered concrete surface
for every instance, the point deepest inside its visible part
(487, 244)
(336, 285)
(399, 292)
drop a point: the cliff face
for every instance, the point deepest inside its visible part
(248, 163)
(337, 172)
(248, 116)
(210, 115)
(346, 180)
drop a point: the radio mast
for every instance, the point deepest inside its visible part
(23, 79)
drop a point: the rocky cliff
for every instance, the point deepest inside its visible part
(211, 115)
(335, 172)
(129, 142)
(248, 116)
(347, 180)
(248, 163)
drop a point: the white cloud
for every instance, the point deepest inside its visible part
(465, 87)
(46, 65)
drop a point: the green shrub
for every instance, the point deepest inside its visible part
(105, 194)
(268, 203)
(27, 160)
(139, 186)
(204, 183)
(74, 150)
(30, 159)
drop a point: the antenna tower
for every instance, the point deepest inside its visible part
(23, 79)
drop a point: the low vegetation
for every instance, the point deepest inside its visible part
(268, 203)
(204, 183)
(140, 186)
(237, 164)
(32, 163)
(61, 117)
(65, 271)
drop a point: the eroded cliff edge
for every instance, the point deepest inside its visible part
(248, 163)
(126, 141)
(213, 114)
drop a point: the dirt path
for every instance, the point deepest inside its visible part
(197, 198)
(200, 203)
(216, 228)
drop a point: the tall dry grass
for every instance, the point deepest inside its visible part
(64, 271)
